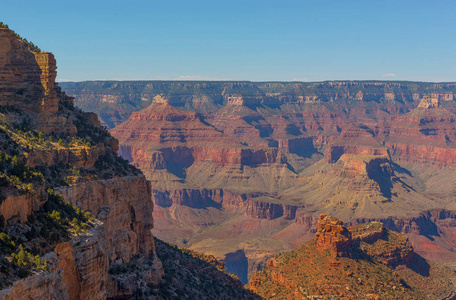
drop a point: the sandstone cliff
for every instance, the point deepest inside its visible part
(71, 210)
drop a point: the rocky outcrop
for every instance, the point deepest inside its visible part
(123, 205)
(20, 82)
(28, 83)
(77, 156)
(48, 66)
(77, 270)
(18, 207)
(358, 256)
(269, 210)
(332, 234)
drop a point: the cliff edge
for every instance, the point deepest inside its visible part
(71, 210)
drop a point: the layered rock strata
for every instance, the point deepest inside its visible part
(67, 150)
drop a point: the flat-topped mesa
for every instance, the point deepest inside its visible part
(332, 234)
(354, 140)
(373, 166)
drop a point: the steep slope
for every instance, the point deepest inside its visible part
(359, 262)
(191, 275)
(71, 209)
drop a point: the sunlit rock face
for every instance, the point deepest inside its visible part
(118, 197)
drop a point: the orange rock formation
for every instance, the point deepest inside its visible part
(332, 234)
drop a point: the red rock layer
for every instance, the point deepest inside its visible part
(220, 198)
(161, 136)
(423, 136)
(354, 140)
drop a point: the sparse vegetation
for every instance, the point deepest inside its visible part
(22, 246)
(193, 275)
(29, 44)
(15, 174)
(368, 272)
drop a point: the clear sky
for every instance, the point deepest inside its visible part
(242, 40)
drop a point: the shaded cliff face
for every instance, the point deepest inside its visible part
(360, 262)
(59, 177)
(190, 275)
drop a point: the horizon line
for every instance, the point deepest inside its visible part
(253, 81)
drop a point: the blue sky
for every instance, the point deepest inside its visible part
(242, 40)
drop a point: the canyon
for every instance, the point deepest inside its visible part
(352, 180)
(76, 218)
(242, 170)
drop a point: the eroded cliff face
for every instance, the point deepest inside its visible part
(78, 269)
(20, 74)
(28, 83)
(47, 144)
(123, 205)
